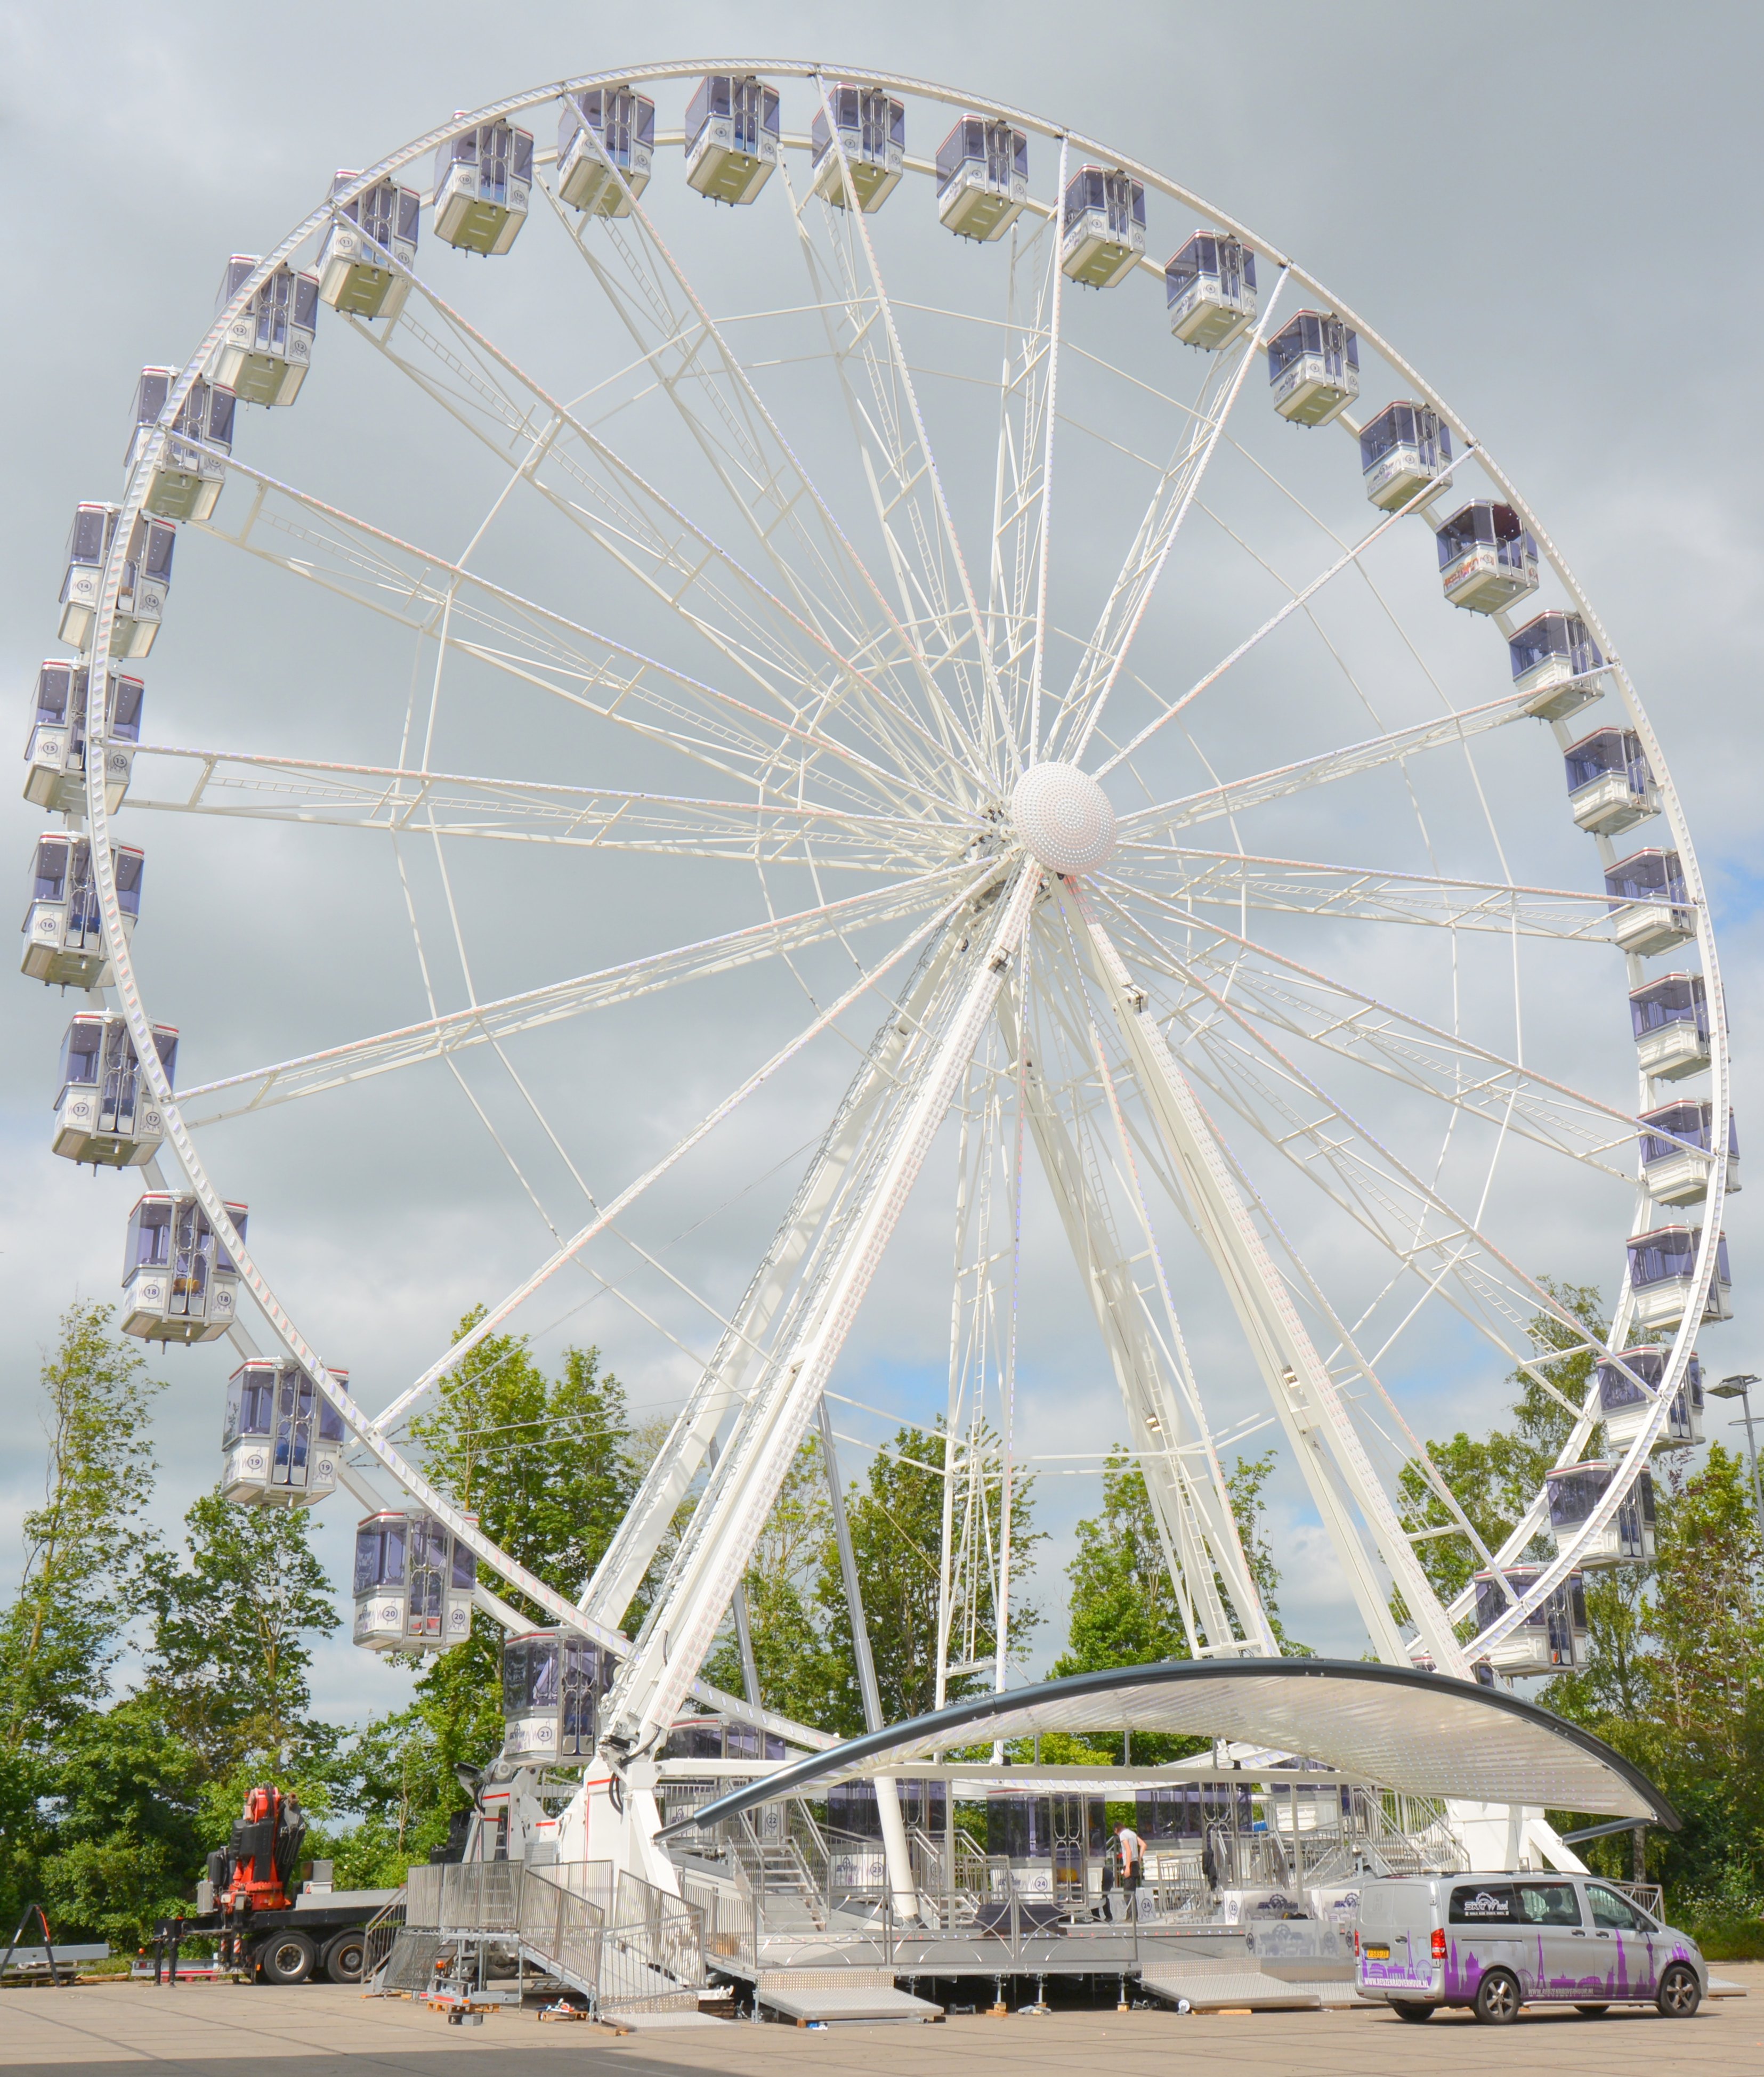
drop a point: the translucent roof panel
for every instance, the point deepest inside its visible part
(1423, 1734)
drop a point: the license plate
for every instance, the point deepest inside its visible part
(1377, 1954)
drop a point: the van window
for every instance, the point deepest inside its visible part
(1549, 1904)
(1614, 1913)
(1484, 1903)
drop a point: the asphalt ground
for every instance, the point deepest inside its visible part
(228, 2030)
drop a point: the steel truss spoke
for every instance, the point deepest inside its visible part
(370, 796)
(1237, 796)
(677, 560)
(1298, 599)
(1459, 1251)
(810, 1331)
(1220, 1608)
(440, 1038)
(426, 592)
(906, 490)
(1308, 1400)
(816, 564)
(1171, 501)
(1305, 1004)
(1238, 880)
(1341, 1154)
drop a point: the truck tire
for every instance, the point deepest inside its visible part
(345, 1955)
(1680, 1993)
(287, 1958)
(1497, 1999)
(1411, 2009)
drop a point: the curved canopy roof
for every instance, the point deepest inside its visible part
(1424, 1733)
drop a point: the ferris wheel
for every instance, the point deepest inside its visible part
(1118, 700)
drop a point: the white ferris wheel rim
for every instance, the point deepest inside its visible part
(369, 1433)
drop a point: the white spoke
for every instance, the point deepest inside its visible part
(1237, 796)
(677, 560)
(1107, 652)
(1328, 1013)
(368, 796)
(1303, 886)
(440, 1037)
(427, 592)
(1298, 599)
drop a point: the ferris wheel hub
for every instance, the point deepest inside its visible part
(1063, 818)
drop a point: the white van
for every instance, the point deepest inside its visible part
(1494, 1942)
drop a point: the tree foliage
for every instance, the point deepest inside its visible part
(228, 1658)
(1495, 1479)
(62, 1634)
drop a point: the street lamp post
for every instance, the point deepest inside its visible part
(1740, 1388)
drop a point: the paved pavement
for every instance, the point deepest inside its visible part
(224, 2030)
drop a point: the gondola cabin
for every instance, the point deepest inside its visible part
(1610, 785)
(1551, 1639)
(731, 136)
(871, 128)
(1101, 226)
(1402, 451)
(982, 178)
(1670, 1019)
(55, 751)
(179, 1283)
(483, 182)
(414, 1584)
(267, 347)
(372, 237)
(856, 1858)
(1627, 1538)
(105, 1111)
(1313, 369)
(1628, 1389)
(1676, 1153)
(191, 464)
(64, 936)
(554, 1683)
(606, 145)
(1557, 665)
(1210, 290)
(281, 1439)
(1487, 558)
(718, 1739)
(146, 578)
(89, 543)
(1051, 1842)
(1650, 908)
(1662, 1276)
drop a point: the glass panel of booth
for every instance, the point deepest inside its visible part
(80, 1052)
(1648, 876)
(1675, 998)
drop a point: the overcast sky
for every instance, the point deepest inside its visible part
(1551, 212)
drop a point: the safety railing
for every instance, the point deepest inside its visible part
(380, 1932)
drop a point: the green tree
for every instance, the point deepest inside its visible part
(1244, 1482)
(229, 1658)
(1494, 1479)
(60, 1638)
(895, 1517)
(126, 1842)
(548, 1466)
(796, 1675)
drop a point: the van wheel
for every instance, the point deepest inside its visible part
(287, 1958)
(1680, 1993)
(344, 1957)
(1407, 2009)
(1497, 1998)
(1592, 2011)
